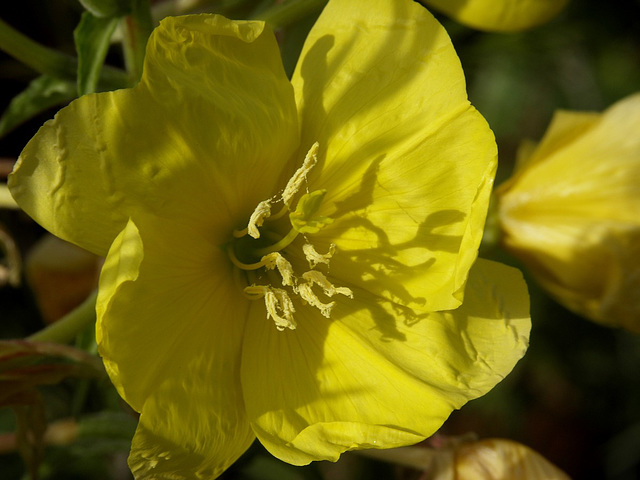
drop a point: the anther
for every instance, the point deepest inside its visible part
(276, 260)
(305, 291)
(278, 304)
(262, 211)
(314, 258)
(318, 278)
(295, 182)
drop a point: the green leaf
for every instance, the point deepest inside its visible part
(107, 8)
(137, 28)
(42, 93)
(92, 37)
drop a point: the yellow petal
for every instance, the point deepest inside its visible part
(589, 267)
(375, 376)
(407, 162)
(499, 15)
(170, 324)
(565, 128)
(205, 130)
(493, 459)
(593, 172)
(573, 209)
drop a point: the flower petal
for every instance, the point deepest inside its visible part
(407, 162)
(375, 378)
(572, 209)
(170, 325)
(565, 127)
(213, 116)
(499, 15)
(594, 173)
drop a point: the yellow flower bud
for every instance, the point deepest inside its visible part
(571, 212)
(499, 15)
(497, 458)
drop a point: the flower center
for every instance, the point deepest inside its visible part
(258, 248)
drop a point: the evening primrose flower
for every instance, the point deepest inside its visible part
(285, 259)
(571, 212)
(497, 458)
(499, 15)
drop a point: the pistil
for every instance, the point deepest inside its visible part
(251, 250)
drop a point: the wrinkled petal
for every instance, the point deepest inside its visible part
(170, 325)
(407, 162)
(497, 458)
(499, 15)
(207, 129)
(376, 375)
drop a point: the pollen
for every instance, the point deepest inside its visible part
(314, 258)
(296, 181)
(271, 275)
(276, 260)
(315, 277)
(262, 211)
(278, 304)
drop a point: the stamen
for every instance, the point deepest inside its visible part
(294, 184)
(305, 219)
(262, 211)
(283, 211)
(318, 278)
(278, 304)
(305, 291)
(276, 247)
(314, 258)
(276, 260)
(239, 264)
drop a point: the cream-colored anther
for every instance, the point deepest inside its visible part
(262, 211)
(305, 291)
(276, 299)
(315, 277)
(278, 304)
(276, 260)
(314, 258)
(295, 182)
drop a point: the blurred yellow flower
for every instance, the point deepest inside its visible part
(285, 260)
(500, 459)
(499, 15)
(571, 212)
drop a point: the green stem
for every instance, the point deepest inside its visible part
(283, 243)
(287, 13)
(68, 327)
(52, 62)
(38, 57)
(137, 27)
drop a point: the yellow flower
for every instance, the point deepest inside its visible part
(282, 255)
(499, 15)
(571, 212)
(500, 459)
